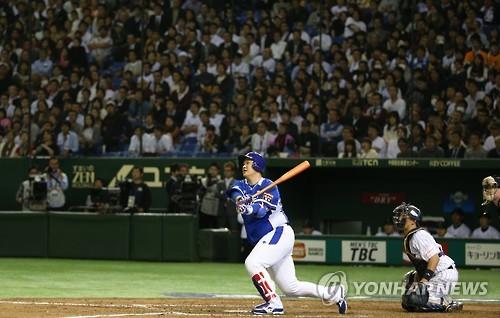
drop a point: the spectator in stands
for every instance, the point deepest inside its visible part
(485, 230)
(330, 133)
(114, 127)
(261, 139)
(455, 148)
(90, 137)
(441, 231)
(367, 152)
(495, 152)
(283, 143)
(475, 150)
(142, 143)
(67, 140)
(43, 66)
(431, 148)
(162, 141)
(8, 147)
(349, 151)
(395, 103)
(210, 142)
(378, 143)
(308, 141)
(458, 229)
(308, 229)
(388, 230)
(242, 143)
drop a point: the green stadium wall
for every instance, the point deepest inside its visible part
(336, 190)
(175, 237)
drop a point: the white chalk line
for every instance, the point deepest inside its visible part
(144, 306)
(165, 313)
(119, 315)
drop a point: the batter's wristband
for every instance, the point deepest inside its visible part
(428, 274)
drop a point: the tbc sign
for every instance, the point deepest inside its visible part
(364, 252)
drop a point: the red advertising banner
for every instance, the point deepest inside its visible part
(383, 197)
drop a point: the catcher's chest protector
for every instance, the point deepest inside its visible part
(420, 264)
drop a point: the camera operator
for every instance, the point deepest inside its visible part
(209, 208)
(57, 183)
(135, 194)
(24, 193)
(174, 186)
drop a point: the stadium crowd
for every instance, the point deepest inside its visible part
(337, 78)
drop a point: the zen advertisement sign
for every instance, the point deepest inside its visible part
(364, 252)
(482, 254)
(309, 251)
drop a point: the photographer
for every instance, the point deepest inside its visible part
(210, 199)
(174, 186)
(135, 194)
(24, 194)
(57, 183)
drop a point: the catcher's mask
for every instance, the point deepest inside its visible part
(490, 187)
(404, 211)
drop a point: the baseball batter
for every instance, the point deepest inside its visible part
(272, 239)
(429, 285)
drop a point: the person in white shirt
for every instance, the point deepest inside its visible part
(378, 143)
(265, 60)
(261, 139)
(278, 47)
(395, 103)
(441, 231)
(148, 144)
(216, 117)
(489, 142)
(100, 46)
(485, 230)
(238, 67)
(353, 25)
(308, 229)
(389, 230)
(163, 142)
(458, 229)
(192, 122)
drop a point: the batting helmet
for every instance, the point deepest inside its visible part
(258, 162)
(405, 209)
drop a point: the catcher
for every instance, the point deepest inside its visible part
(491, 194)
(428, 286)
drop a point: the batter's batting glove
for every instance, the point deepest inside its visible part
(245, 209)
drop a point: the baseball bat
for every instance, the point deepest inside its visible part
(287, 175)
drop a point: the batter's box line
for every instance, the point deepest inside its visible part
(143, 306)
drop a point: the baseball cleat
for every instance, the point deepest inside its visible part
(454, 306)
(342, 303)
(267, 309)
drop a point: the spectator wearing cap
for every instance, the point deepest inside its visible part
(67, 140)
(458, 229)
(485, 230)
(495, 152)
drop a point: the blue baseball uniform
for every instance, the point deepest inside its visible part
(273, 239)
(267, 213)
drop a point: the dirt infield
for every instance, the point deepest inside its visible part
(212, 307)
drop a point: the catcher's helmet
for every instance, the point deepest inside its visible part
(405, 209)
(490, 187)
(258, 162)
